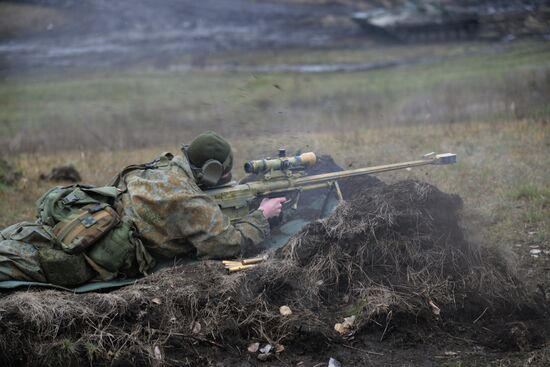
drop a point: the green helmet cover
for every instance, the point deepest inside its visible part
(210, 145)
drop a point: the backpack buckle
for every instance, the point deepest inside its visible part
(69, 199)
(95, 208)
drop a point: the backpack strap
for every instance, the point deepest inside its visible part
(161, 161)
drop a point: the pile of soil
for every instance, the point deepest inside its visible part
(8, 174)
(62, 173)
(392, 259)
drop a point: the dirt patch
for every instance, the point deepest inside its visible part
(393, 259)
(8, 174)
(62, 173)
(400, 248)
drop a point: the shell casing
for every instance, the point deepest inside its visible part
(229, 263)
(255, 260)
(240, 267)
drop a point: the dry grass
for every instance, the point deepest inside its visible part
(387, 253)
(496, 123)
(142, 108)
(495, 161)
(397, 242)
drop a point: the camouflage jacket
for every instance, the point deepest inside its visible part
(174, 217)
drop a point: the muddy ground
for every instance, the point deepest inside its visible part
(183, 34)
(122, 33)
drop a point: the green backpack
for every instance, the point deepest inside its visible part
(86, 226)
(62, 202)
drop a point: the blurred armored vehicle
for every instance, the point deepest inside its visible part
(419, 23)
(428, 21)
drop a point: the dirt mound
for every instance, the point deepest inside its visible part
(62, 173)
(400, 248)
(8, 174)
(394, 256)
(325, 163)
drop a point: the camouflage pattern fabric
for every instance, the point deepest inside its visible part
(175, 218)
(19, 256)
(172, 217)
(27, 253)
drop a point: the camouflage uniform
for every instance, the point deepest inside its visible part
(19, 246)
(175, 218)
(170, 215)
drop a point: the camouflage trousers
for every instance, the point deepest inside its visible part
(19, 246)
(29, 252)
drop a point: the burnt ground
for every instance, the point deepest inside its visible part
(395, 257)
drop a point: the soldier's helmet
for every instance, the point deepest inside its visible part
(211, 159)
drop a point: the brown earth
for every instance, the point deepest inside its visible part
(8, 174)
(393, 256)
(62, 173)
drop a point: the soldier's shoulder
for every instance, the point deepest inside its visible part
(182, 163)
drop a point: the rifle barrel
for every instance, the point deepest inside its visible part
(319, 181)
(324, 177)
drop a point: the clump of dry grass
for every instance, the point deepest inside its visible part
(401, 247)
(393, 250)
(8, 175)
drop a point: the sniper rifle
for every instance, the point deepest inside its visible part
(286, 176)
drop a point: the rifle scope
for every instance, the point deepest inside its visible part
(282, 163)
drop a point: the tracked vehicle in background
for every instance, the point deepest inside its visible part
(419, 23)
(428, 21)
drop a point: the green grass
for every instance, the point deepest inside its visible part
(490, 109)
(92, 350)
(139, 107)
(532, 193)
(62, 352)
(363, 54)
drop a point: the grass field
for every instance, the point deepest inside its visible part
(488, 104)
(491, 108)
(142, 107)
(502, 173)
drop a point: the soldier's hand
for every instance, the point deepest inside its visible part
(271, 207)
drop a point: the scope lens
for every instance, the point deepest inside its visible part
(248, 167)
